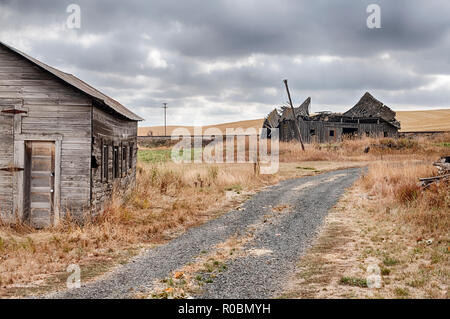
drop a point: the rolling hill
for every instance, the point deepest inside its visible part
(416, 121)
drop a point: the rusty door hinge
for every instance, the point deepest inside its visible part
(11, 169)
(14, 111)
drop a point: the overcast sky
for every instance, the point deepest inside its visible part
(218, 61)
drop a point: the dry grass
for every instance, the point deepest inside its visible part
(387, 220)
(360, 233)
(169, 198)
(425, 148)
(396, 187)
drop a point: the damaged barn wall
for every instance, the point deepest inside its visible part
(110, 132)
(323, 132)
(369, 117)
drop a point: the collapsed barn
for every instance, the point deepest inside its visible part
(64, 146)
(369, 117)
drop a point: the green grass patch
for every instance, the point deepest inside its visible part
(416, 283)
(306, 168)
(443, 144)
(351, 281)
(389, 261)
(385, 271)
(154, 156)
(401, 292)
(236, 188)
(165, 155)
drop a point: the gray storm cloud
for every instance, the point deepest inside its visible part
(221, 61)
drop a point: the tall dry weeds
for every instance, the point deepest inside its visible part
(168, 198)
(396, 185)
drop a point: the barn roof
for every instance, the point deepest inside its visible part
(81, 86)
(302, 110)
(368, 106)
(367, 109)
(272, 119)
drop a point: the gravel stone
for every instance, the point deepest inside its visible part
(252, 276)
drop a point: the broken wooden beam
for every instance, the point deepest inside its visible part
(296, 125)
(427, 181)
(434, 178)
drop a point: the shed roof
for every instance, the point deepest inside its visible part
(81, 86)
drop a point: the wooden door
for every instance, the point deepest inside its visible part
(39, 182)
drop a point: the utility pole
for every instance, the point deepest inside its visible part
(296, 125)
(165, 118)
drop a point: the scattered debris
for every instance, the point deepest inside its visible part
(443, 165)
(444, 173)
(427, 181)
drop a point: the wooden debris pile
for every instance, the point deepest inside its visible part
(443, 166)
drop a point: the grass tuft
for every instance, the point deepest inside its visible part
(351, 281)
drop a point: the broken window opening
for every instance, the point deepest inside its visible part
(105, 163)
(124, 159)
(130, 162)
(116, 162)
(94, 163)
(350, 131)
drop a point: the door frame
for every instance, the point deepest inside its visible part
(19, 160)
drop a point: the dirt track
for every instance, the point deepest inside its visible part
(275, 226)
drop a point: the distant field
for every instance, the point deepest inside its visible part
(159, 130)
(420, 121)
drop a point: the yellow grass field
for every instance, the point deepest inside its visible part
(159, 130)
(417, 121)
(423, 121)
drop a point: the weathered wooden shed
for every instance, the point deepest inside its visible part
(369, 117)
(64, 146)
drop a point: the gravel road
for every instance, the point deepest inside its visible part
(282, 241)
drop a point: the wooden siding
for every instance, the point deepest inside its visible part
(111, 131)
(53, 108)
(6, 160)
(322, 130)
